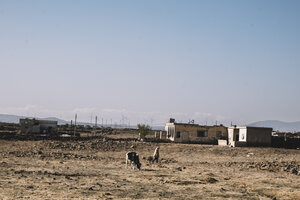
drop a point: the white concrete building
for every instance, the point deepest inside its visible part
(249, 136)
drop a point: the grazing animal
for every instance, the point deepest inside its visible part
(149, 159)
(132, 158)
(155, 156)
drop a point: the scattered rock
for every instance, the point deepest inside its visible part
(100, 185)
(211, 180)
(250, 154)
(3, 164)
(294, 171)
(179, 169)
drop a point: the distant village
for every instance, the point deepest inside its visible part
(233, 136)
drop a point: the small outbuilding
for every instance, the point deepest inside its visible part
(249, 136)
(34, 126)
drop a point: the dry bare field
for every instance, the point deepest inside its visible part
(95, 169)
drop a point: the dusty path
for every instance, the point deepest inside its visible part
(95, 169)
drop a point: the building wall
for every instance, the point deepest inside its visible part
(236, 135)
(218, 132)
(170, 129)
(259, 136)
(187, 132)
(251, 136)
(33, 126)
(230, 136)
(243, 135)
(195, 133)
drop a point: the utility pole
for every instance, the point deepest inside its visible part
(71, 127)
(75, 124)
(95, 129)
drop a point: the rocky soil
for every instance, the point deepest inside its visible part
(95, 169)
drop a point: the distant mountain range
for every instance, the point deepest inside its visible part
(278, 125)
(15, 119)
(275, 124)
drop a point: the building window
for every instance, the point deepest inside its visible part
(200, 133)
(178, 134)
(219, 134)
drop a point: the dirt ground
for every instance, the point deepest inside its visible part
(95, 169)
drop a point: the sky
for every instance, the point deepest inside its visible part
(146, 61)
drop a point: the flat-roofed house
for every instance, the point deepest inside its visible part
(194, 133)
(249, 136)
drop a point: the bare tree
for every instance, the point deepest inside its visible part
(143, 131)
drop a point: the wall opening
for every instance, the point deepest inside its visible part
(236, 134)
(200, 133)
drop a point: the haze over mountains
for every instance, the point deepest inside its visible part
(275, 124)
(15, 119)
(278, 125)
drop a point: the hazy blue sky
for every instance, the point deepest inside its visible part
(150, 60)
